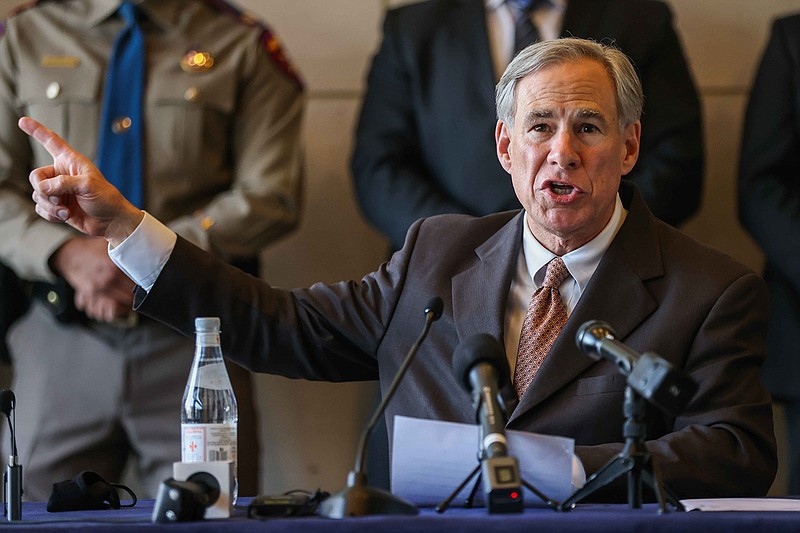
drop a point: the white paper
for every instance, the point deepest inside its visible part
(742, 504)
(430, 458)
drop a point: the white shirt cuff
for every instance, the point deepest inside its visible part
(144, 253)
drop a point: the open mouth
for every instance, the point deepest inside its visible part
(561, 188)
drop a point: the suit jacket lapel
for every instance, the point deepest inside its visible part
(479, 293)
(616, 294)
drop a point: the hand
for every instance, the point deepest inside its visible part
(102, 291)
(73, 190)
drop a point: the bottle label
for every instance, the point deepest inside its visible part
(208, 442)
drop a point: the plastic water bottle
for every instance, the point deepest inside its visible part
(209, 416)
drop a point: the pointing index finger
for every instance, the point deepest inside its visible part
(54, 144)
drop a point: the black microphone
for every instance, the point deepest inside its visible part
(12, 478)
(597, 340)
(481, 366)
(650, 375)
(358, 498)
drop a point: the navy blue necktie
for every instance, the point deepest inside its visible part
(119, 150)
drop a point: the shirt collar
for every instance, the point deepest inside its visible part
(163, 14)
(581, 262)
(101, 10)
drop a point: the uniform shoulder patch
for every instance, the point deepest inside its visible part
(273, 47)
(267, 38)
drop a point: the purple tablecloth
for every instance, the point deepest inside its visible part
(586, 518)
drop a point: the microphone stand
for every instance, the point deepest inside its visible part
(634, 461)
(12, 477)
(468, 503)
(358, 498)
(650, 378)
(488, 464)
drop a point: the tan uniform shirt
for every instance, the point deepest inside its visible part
(223, 158)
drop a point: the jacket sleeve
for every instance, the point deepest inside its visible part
(392, 185)
(769, 168)
(669, 172)
(325, 332)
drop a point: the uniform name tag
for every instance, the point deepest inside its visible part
(60, 61)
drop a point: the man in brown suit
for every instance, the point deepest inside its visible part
(568, 130)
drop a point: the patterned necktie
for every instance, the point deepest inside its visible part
(119, 149)
(543, 322)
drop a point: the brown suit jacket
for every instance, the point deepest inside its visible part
(658, 288)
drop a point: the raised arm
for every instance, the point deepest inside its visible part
(74, 191)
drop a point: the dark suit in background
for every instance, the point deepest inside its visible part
(769, 208)
(658, 288)
(425, 138)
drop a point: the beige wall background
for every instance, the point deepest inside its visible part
(310, 430)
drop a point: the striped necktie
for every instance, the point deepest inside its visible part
(119, 150)
(543, 322)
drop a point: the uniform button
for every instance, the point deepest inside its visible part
(53, 90)
(121, 125)
(191, 94)
(52, 298)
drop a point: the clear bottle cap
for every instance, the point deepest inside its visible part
(206, 324)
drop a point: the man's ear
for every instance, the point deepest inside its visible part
(502, 138)
(632, 134)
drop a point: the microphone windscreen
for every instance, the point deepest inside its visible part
(435, 307)
(476, 349)
(590, 334)
(7, 401)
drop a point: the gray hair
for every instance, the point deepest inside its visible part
(544, 54)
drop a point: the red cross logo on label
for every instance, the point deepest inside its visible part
(192, 446)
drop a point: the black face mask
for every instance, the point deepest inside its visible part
(88, 491)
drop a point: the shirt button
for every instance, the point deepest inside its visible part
(121, 125)
(53, 90)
